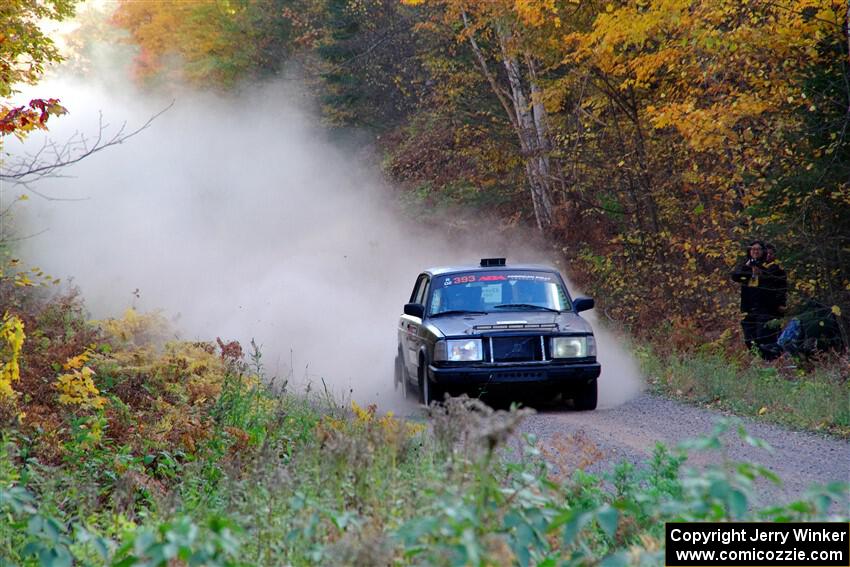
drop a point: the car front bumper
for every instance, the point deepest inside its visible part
(542, 374)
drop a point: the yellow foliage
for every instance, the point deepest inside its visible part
(711, 64)
(536, 13)
(12, 271)
(78, 361)
(388, 423)
(78, 388)
(216, 42)
(385, 431)
(363, 416)
(138, 329)
(12, 337)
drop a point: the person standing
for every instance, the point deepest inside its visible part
(774, 280)
(754, 297)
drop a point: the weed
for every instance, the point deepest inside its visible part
(194, 459)
(818, 400)
(11, 341)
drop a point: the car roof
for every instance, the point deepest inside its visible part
(443, 270)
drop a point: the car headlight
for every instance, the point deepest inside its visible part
(573, 347)
(463, 350)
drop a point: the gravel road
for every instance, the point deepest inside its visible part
(631, 430)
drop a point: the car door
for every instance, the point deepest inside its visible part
(409, 336)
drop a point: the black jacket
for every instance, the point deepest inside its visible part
(764, 294)
(774, 279)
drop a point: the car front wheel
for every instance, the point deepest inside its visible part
(585, 396)
(401, 375)
(428, 391)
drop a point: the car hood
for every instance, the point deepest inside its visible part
(534, 322)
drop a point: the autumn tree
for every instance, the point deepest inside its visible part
(655, 137)
(647, 139)
(503, 36)
(369, 63)
(24, 52)
(213, 42)
(715, 98)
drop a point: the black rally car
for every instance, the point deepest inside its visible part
(496, 327)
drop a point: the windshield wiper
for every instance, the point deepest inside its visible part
(458, 312)
(525, 306)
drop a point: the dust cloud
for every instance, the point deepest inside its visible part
(240, 217)
(621, 377)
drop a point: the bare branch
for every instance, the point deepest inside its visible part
(40, 165)
(6, 240)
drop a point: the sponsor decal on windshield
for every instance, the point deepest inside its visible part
(530, 277)
(472, 278)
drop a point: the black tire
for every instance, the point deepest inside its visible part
(586, 396)
(397, 376)
(400, 378)
(429, 392)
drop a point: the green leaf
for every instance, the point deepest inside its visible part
(53, 530)
(34, 526)
(143, 541)
(416, 529)
(31, 548)
(58, 557)
(620, 559)
(701, 444)
(574, 526)
(753, 441)
(523, 555)
(525, 539)
(559, 520)
(101, 546)
(738, 503)
(608, 518)
(768, 474)
(720, 489)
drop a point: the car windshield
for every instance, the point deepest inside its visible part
(497, 292)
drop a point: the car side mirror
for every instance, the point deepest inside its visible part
(583, 304)
(414, 310)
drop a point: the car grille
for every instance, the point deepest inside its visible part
(516, 349)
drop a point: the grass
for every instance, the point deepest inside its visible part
(194, 460)
(816, 398)
(319, 483)
(333, 485)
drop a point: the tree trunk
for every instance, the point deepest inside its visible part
(528, 119)
(532, 131)
(541, 127)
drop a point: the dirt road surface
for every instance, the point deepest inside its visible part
(630, 432)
